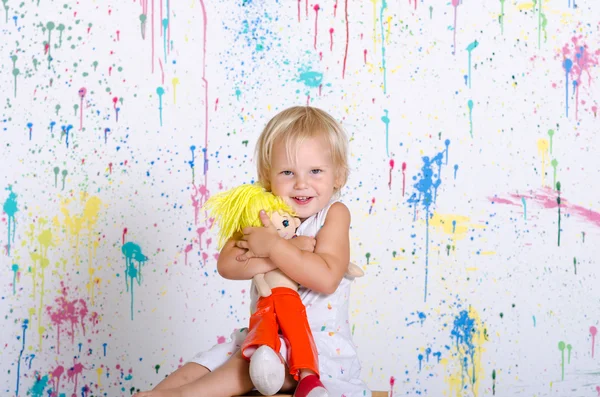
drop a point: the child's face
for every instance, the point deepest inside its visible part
(306, 181)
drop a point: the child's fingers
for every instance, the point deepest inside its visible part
(242, 244)
(264, 218)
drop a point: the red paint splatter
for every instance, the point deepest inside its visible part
(118, 33)
(46, 48)
(110, 168)
(316, 8)
(392, 381)
(124, 234)
(335, 8)
(65, 312)
(365, 55)
(216, 104)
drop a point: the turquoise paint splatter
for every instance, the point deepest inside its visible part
(534, 322)
(386, 121)
(15, 269)
(133, 253)
(426, 187)
(165, 24)
(470, 104)
(310, 78)
(470, 48)
(524, 208)
(383, 64)
(10, 208)
(39, 386)
(160, 91)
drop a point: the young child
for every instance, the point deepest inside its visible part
(302, 158)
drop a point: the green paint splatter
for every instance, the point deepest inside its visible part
(157, 367)
(64, 177)
(6, 9)
(575, 264)
(143, 19)
(494, 382)
(393, 254)
(15, 71)
(501, 16)
(551, 135)
(368, 256)
(501, 315)
(56, 171)
(561, 347)
(57, 107)
(554, 163)
(430, 12)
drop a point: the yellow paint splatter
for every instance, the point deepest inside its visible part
(75, 224)
(175, 83)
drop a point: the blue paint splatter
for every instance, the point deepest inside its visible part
(420, 357)
(470, 48)
(463, 332)
(568, 65)
(455, 170)
(24, 326)
(427, 184)
(10, 208)
(30, 126)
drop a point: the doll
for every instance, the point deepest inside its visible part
(233, 210)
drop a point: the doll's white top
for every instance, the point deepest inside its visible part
(328, 316)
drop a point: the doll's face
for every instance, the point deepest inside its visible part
(285, 224)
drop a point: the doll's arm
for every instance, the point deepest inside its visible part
(230, 268)
(261, 285)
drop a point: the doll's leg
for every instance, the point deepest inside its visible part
(230, 379)
(183, 375)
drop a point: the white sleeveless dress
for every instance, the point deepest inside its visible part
(339, 366)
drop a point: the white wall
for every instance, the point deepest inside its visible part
(504, 296)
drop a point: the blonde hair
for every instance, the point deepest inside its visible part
(237, 208)
(295, 125)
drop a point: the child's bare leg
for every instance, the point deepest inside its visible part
(230, 379)
(183, 375)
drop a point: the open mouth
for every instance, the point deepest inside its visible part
(302, 200)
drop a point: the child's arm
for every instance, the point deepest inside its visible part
(320, 271)
(231, 268)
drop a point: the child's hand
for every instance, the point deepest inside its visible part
(305, 243)
(259, 240)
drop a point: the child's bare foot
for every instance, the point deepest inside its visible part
(161, 393)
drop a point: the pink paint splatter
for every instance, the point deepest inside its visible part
(347, 39)
(546, 197)
(583, 60)
(56, 374)
(316, 8)
(330, 39)
(82, 92)
(221, 339)
(391, 169)
(593, 332)
(403, 178)
(392, 382)
(124, 234)
(74, 372)
(66, 312)
(200, 232)
(187, 250)
(365, 56)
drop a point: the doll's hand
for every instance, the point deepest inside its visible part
(305, 243)
(259, 240)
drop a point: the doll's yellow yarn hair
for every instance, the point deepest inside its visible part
(239, 207)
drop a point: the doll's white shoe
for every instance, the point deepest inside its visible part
(267, 371)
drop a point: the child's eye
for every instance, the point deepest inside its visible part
(285, 223)
(316, 171)
(286, 172)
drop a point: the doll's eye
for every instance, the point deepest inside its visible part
(285, 223)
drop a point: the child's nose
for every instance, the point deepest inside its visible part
(300, 182)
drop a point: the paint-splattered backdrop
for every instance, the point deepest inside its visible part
(473, 128)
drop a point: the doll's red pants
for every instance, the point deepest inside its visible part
(284, 311)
